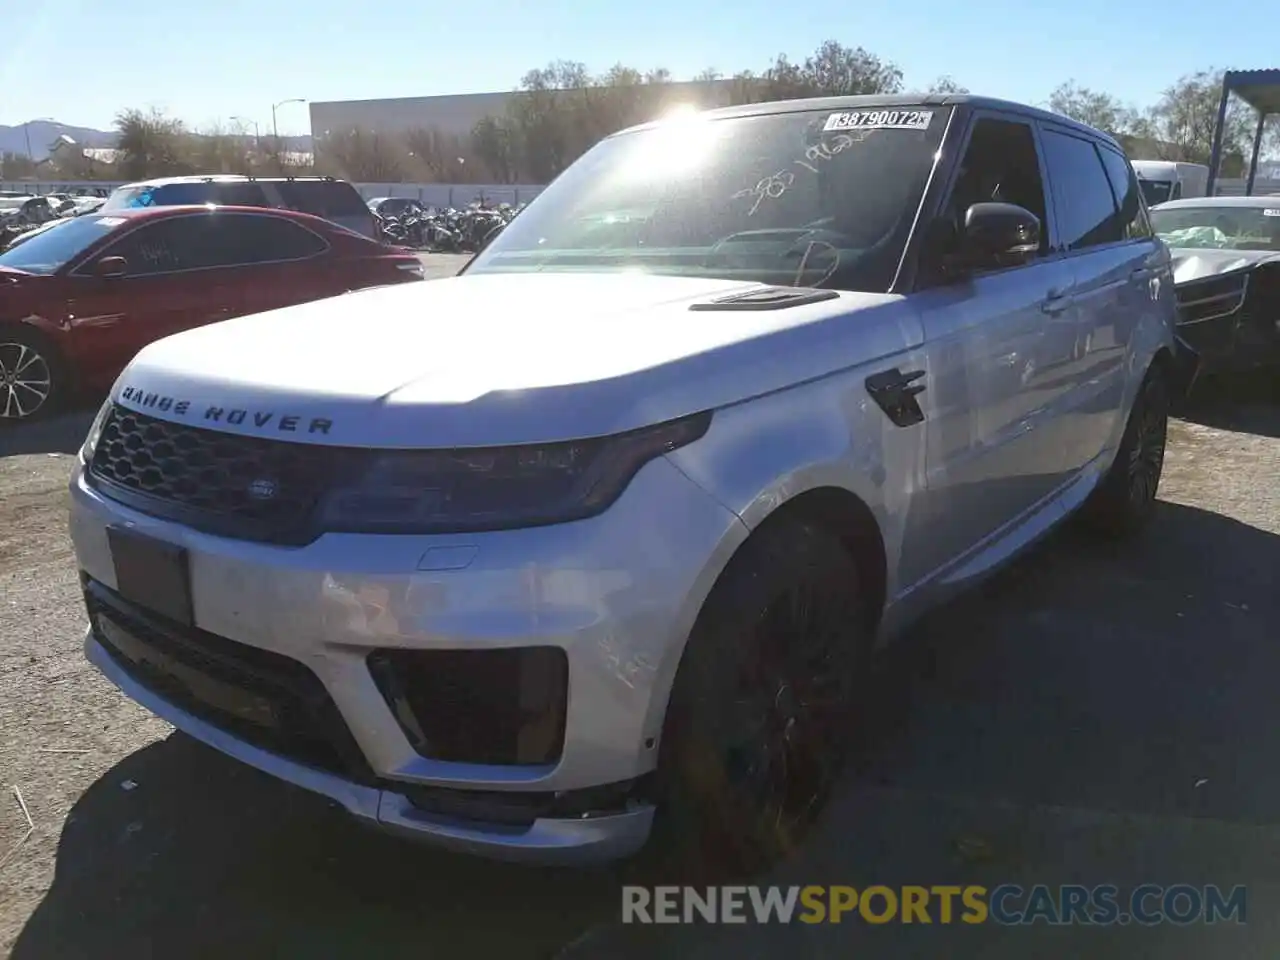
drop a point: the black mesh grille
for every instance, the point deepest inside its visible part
(245, 487)
(295, 717)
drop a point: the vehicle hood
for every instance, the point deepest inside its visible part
(1191, 264)
(482, 360)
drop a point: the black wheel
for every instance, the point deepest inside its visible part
(31, 376)
(1125, 499)
(761, 713)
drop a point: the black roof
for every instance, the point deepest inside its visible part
(1260, 89)
(892, 100)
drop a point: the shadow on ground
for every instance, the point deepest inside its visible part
(208, 858)
(1247, 403)
(62, 434)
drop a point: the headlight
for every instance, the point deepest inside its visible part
(464, 490)
(95, 431)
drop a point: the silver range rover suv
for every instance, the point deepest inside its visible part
(596, 539)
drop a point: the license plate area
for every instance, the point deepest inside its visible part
(151, 573)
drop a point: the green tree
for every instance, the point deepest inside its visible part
(1102, 111)
(151, 144)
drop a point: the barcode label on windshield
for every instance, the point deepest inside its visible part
(879, 120)
(1271, 213)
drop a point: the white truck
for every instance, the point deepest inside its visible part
(1163, 180)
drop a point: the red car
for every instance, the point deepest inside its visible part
(79, 299)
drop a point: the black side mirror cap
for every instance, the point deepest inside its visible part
(1000, 234)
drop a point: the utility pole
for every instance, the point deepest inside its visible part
(275, 130)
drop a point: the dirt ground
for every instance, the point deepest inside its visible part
(1092, 714)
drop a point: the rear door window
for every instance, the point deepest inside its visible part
(1087, 213)
(322, 198)
(267, 239)
(246, 194)
(1124, 183)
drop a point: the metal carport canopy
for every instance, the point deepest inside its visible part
(1260, 89)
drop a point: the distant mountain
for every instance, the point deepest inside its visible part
(45, 132)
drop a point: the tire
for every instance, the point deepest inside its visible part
(33, 379)
(1125, 499)
(761, 712)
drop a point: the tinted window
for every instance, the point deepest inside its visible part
(1124, 183)
(322, 198)
(1086, 210)
(209, 240)
(1000, 165)
(264, 239)
(814, 197)
(165, 246)
(242, 195)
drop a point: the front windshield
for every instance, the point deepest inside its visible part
(1155, 191)
(814, 198)
(45, 252)
(1219, 227)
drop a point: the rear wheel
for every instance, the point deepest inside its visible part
(761, 713)
(31, 376)
(1125, 499)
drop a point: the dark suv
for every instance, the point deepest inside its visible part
(334, 200)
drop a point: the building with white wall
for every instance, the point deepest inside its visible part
(458, 114)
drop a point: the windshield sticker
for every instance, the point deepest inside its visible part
(110, 221)
(1271, 213)
(880, 120)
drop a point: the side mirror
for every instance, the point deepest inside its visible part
(999, 235)
(111, 268)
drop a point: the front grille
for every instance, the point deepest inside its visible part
(245, 487)
(1212, 298)
(263, 698)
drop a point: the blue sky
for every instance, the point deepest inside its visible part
(80, 62)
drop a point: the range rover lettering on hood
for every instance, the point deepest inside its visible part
(235, 416)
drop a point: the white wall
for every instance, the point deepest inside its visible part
(431, 194)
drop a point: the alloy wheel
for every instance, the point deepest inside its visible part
(789, 724)
(1146, 458)
(26, 380)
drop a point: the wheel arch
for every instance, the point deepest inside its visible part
(835, 509)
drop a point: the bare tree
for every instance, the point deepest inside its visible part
(364, 156)
(218, 151)
(442, 156)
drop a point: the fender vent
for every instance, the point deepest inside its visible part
(770, 298)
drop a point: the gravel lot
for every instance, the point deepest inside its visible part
(1094, 714)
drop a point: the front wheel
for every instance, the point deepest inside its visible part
(1125, 499)
(761, 712)
(31, 376)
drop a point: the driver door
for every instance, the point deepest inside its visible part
(167, 288)
(989, 447)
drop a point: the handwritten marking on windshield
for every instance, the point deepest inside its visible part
(773, 186)
(804, 263)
